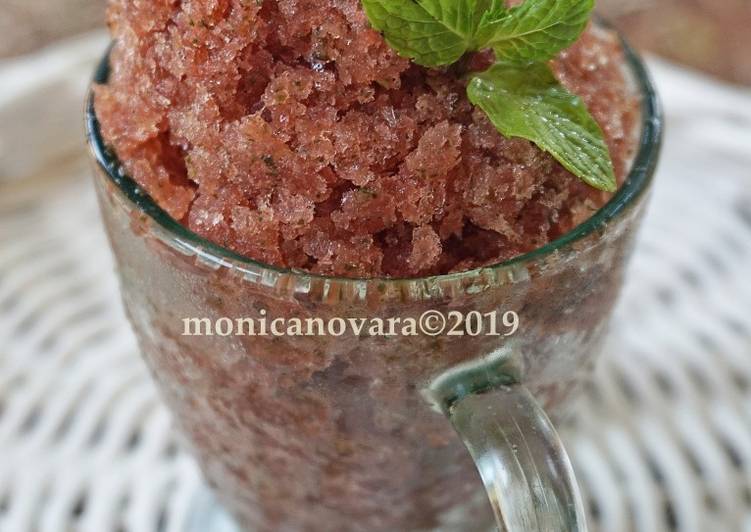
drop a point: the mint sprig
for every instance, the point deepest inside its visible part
(520, 94)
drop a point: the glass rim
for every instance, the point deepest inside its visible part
(637, 182)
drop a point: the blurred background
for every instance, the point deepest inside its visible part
(28, 24)
(664, 440)
(710, 35)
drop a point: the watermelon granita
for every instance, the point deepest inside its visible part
(325, 137)
(290, 132)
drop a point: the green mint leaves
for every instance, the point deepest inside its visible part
(520, 94)
(431, 32)
(527, 101)
(534, 31)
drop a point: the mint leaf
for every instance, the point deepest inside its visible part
(463, 17)
(527, 101)
(431, 32)
(534, 31)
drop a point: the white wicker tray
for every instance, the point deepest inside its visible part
(663, 441)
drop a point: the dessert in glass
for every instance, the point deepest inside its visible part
(278, 159)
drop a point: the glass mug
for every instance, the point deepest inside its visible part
(369, 431)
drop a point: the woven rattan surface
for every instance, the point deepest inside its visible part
(662, 441)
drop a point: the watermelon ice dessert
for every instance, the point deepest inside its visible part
(295, 133)
(345, 155)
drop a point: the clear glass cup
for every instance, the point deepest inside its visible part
(368, 431)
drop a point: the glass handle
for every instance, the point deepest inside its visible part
(521, 459)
